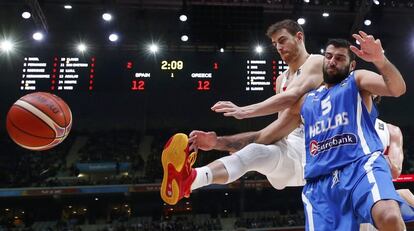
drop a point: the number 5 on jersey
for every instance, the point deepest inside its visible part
(326, 105)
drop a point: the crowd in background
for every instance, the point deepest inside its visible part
(141, 152)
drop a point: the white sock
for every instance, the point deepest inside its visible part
(204, 177)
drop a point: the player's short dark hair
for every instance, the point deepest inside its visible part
(291, 26)
(342, 43)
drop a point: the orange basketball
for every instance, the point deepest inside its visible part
(39, 121)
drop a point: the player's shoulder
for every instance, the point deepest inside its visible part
(316, 56)
(315, 59)
(313, 64)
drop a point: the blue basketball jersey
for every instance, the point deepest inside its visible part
(338, 128)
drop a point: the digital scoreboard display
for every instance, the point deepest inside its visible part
(259, 74)
(191, 71)
(201, 78)
(57, 73)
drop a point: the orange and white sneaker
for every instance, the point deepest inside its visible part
(178, 172)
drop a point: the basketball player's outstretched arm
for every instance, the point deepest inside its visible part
(390, 82)
(309, 79)
(283, 126)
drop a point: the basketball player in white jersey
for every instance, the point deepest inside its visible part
(278, 160)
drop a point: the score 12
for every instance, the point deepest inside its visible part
(137, 84)
(203, 80)
(203, 85)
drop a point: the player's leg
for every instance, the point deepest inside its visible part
(374, 198)
(391, 137)
(178, 173)
(406, 209)
(322, 206)
(281, 163)
(386, 215)
(180, 178)
(254, 157)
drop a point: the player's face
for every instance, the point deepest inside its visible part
(286, 45)
(336, 66)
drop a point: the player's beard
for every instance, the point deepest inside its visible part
(337, 77)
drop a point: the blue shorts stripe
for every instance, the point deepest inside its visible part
(371, 178)
(309, 213)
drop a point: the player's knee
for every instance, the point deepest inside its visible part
(259, 150)
(387, 216)
(258, 153)
(391, 218)
(391, 221)
(259, 157)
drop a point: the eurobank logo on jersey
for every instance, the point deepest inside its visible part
(340, 119)
(333, 142)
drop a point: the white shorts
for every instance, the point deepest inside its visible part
(290, 169)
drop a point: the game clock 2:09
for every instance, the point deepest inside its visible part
(172, 65)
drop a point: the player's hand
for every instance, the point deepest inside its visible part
(370, 48)
(205, 141)
(229, 109)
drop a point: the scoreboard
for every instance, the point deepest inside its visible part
(188, 71)
(60, 73)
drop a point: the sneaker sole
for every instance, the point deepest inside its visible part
(173, 155)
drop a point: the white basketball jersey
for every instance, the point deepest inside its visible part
(383, 133)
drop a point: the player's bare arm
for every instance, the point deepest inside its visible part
(283, 126)
(230, 108)
(273, 132)
(395, 150)
(209, 140)
(311, 78)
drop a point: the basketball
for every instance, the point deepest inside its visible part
(39, 121)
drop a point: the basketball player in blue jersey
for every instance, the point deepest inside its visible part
(390, 135)
(348, 180)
